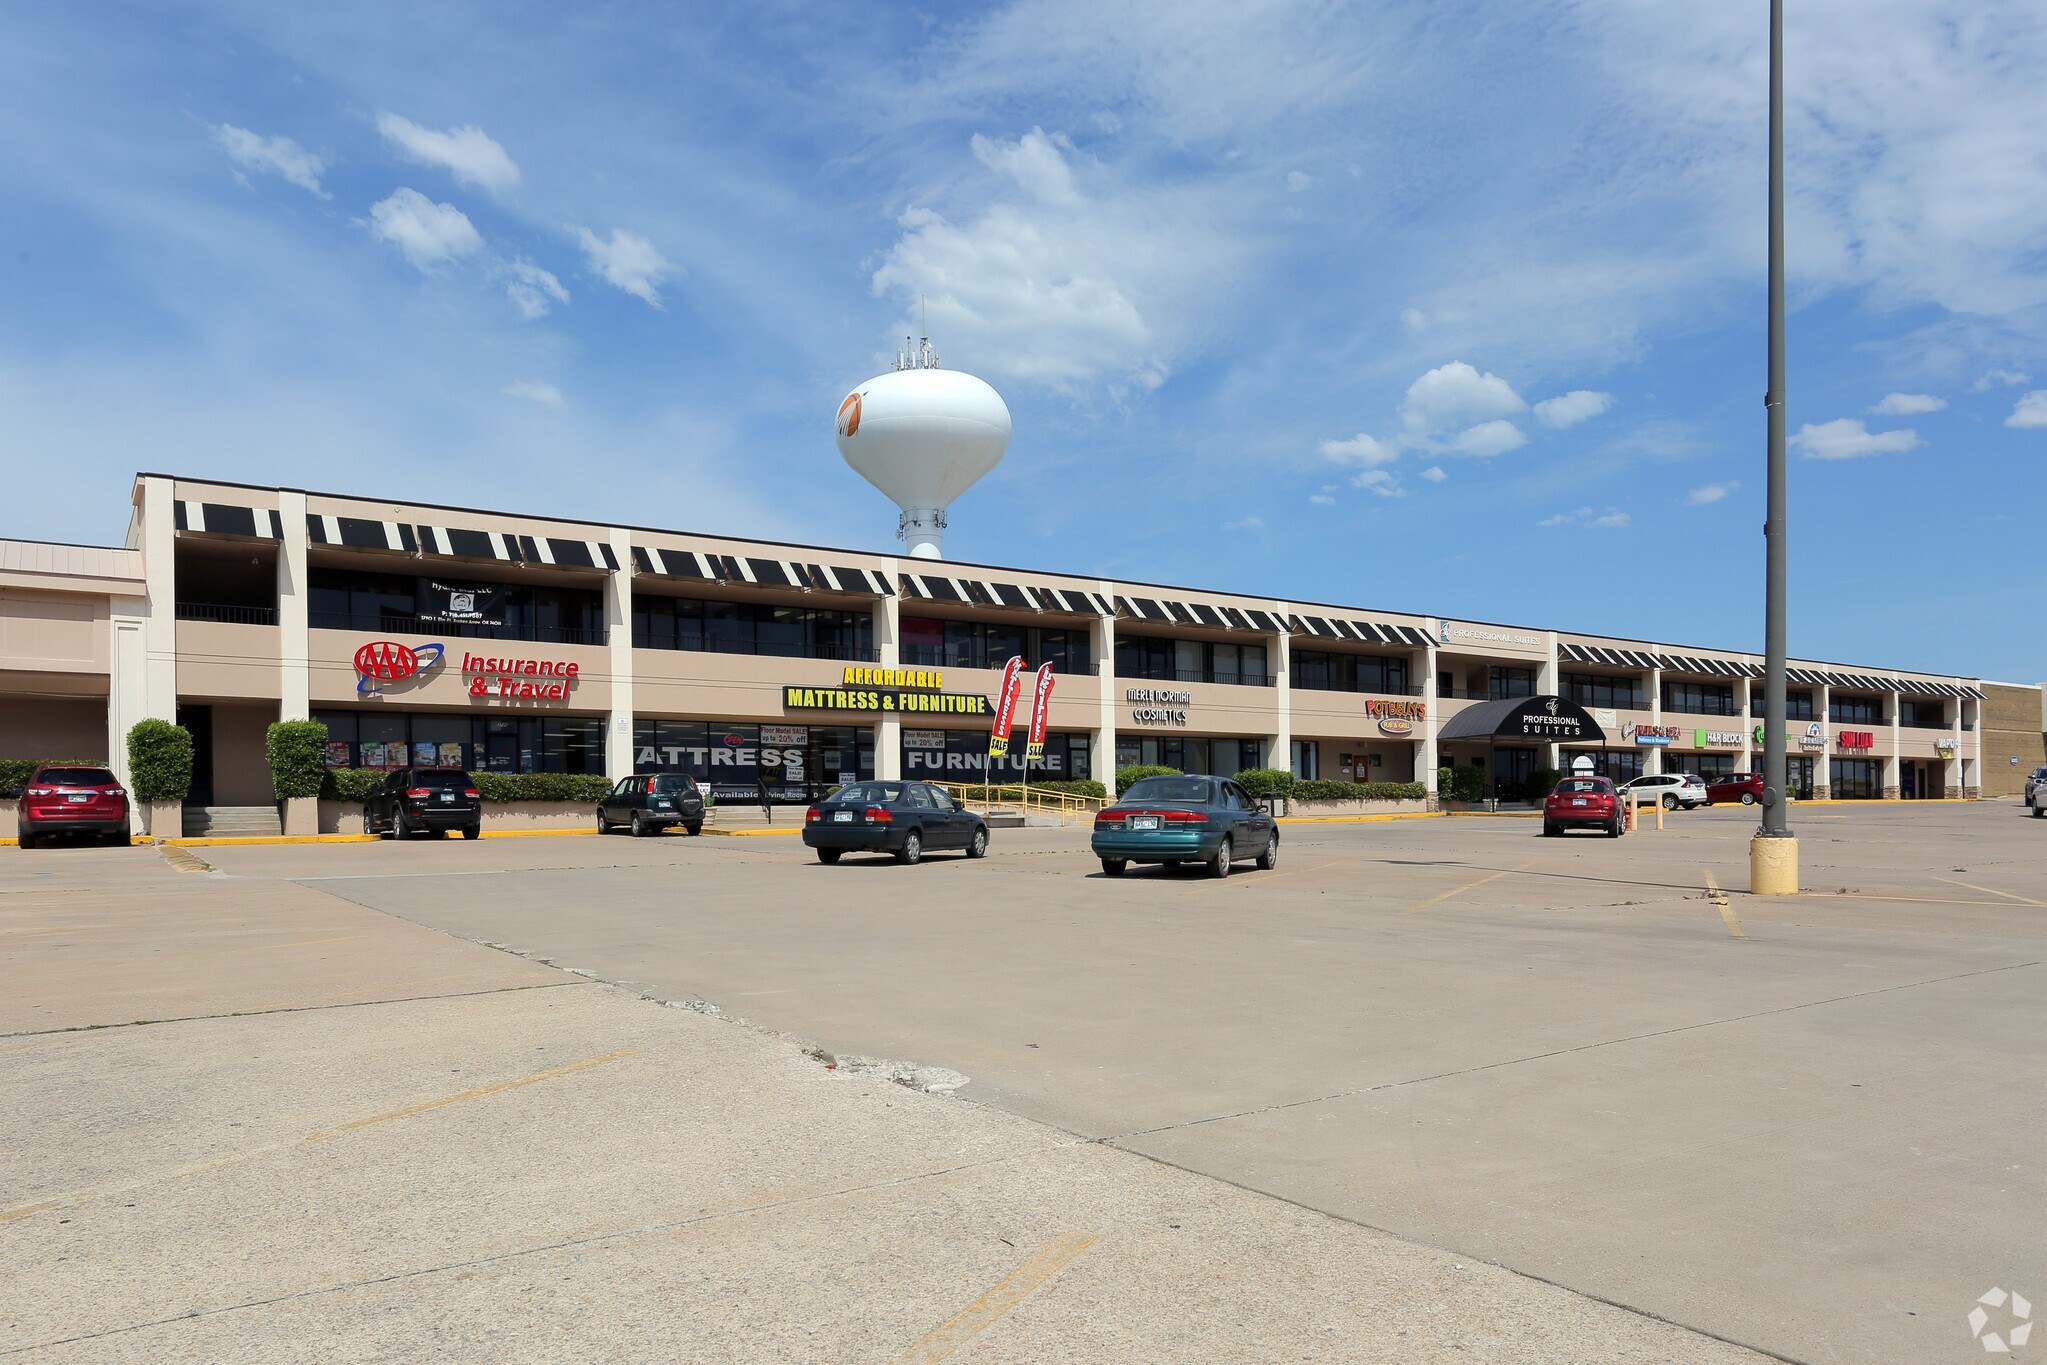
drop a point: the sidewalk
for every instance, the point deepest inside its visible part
(356, 1138)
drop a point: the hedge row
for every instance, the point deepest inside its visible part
(15, 772)
(1137, 772)
(352, 785)
(1357, 791)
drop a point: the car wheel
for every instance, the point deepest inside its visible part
(603, 825)
(1549, 829)
(697, 828)
(826, 856)
(912, 850)
(1219, 865)
(123, 837)
(472, 831)
(1748, 798)
(1670, 803)
(400, 828)
(25, 838)
(2038, 811)
(1269, 859)
(1613, 831)
(1114, 867)
(977, 847)
(639, 825)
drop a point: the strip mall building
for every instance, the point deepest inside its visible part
(423, 634)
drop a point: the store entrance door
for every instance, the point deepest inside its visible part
(1908, 781)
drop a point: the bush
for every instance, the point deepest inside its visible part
(1541, 782)
(352, 785)
(1260, 783)
(15, 772)
(1467, 784)
(1137, 772)
(1446, 783)
(297, 750)
(160, 760)
(1358, 791)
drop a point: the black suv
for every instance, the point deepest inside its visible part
(416, 801)
(650, 802)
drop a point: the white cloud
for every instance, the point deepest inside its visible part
(1362, 449)
(1845, 438)
(1297, 181)
(1380, 481)
(2002, 379)
(467, 152)
(1434, 474)
(1245, 524)
(1413, 319)
(532, 288)
(1567, 410)
(546, 395)
(1322, 500)
(1907, 404)
(278, 156)
(1035, 162)
(1708, 494)
(629, 261)
(1490, 438)
(1613, 518)
(1455, 393)
(2030, 412)
(428, 233)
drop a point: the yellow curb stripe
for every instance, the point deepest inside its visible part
(1359, 819)
(1721, 903)
(1460, 890)
(271, 1149)
(983, 1312)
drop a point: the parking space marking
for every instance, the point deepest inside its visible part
(1991, 890)
(325, 1135)
(983, 1312)
(1720, 902)
(1460, 890)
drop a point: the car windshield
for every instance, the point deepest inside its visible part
(1581, 784)
(78, 777)
(872, 793)
(671, 783)
(1186, 789)
(441, 778)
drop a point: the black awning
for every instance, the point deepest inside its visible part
(1552, 720)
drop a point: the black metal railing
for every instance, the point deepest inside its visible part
(409, 625)
(235, 616)
(854, 654)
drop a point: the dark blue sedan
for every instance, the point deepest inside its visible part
(1190, 819)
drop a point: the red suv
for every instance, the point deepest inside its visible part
(69, 799)
(1746, 788)
(1584, 802)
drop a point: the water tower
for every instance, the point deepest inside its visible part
(923, 436)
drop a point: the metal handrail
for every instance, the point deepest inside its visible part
(227, 615)
(1066, 807)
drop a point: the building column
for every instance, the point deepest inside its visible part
(888, 726)
(1823, 757)
(1281, 742)
(160, 608)
(1894, 782)
(1748, 725)
(1546, 682)
(618, 634)
(1427, 758)
(1652, 762)
(294, 631)
(1968, 747)
(127, 679)
(1102, 752)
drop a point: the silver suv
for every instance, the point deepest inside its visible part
(2037, 778)
(1672, 789)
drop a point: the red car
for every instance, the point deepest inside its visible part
(68, 799)
(1584, 802)
(1746, 788)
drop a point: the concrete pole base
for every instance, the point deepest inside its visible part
(1772, 867)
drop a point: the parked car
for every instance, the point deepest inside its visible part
(906, 819)
(1746, 788)
(64, 798)
(1672, 789)
(2037, 780)
(1185, 819)
(1585, 803)
(651, 802)
(2037, 798)
(419, 801)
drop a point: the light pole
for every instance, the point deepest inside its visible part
(1773, 853)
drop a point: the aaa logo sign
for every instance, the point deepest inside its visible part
(382, 661)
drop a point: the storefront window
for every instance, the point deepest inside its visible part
(752, 628)
(1599, 689)
(1708, 766)
(962, 756)
(797, 763)
(1856, 710)
(1855, 779)
(1699, 698)
(1222, 757)
(523, 744)
(1322, 671)
(931, 643)
(345, 599)
(1922, 715)
(1512, 682)
(1145, 656)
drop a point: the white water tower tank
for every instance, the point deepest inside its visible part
(923, 436)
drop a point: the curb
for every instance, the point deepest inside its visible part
(1359, 819)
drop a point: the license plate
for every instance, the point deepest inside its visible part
(447, 798)
(1144, 822)
(1577, 800)
(76, 796)
(661, 803)
(844, 817)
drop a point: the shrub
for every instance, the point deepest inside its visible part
(160, 760)
(1260, 783)
(297, 750)
(1541, 782)
(1446, 783)
(1358, 791)
(352, 785)
(1137, 772)
(1468, 783)
(15, 772)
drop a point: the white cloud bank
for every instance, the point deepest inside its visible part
(468, 153)
(278, 156)
(1567, 410)
(628, 261)
(1489, 438)
(533, 289)
(1613, 518)
(1845, 438)
(2030, 412)
(1456, 393)
(1907, 405)
(428, 233)
(1361, 449)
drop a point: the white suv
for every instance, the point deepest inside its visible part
(2037, 780)
(1672, 789)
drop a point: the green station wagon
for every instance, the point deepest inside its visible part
(650, 802)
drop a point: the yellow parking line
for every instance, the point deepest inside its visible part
(982, 1313)
(203, 1168)
(1458, 891)
(1721, 903)
(1991, 890)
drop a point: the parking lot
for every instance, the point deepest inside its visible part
(1807, 1126)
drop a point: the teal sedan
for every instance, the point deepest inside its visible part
(1185, 819)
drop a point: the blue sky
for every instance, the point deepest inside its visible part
(1436, 307)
